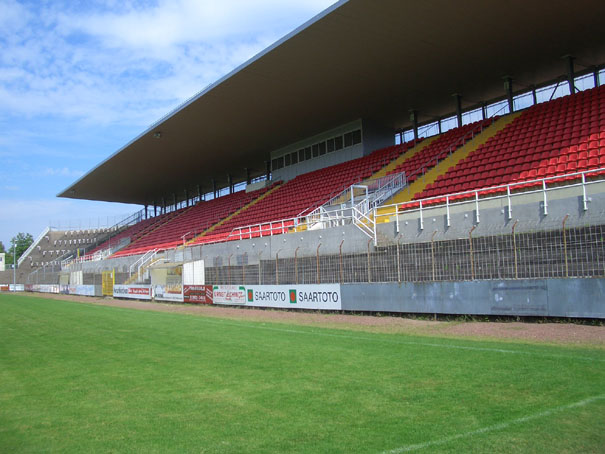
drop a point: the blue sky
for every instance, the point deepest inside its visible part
(79, 79)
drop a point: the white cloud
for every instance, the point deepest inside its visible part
(63, 172)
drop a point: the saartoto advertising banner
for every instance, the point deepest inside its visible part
(321, 297)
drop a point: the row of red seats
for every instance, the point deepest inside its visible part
(192, 221)
(439, 149)
(516, 155)
(304, 193)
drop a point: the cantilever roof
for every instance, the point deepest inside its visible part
(358, 59)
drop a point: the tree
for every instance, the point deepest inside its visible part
(22, 242)
(2, 248)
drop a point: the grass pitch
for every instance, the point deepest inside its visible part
(87, 378)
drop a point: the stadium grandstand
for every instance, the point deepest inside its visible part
(418, 155)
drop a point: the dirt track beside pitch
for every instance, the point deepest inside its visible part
(556, 333)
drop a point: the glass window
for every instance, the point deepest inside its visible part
(330, 143)
(348, 139)
(338, 143)
(301, 155)
(322, 148)
(287, 160)
(295, 157)
(308, 153)
(356, 137)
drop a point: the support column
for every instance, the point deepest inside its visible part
(571, 74)
(163, 205)
(534, 94)
(596, 76)
(414, 120)
(230, 183)
(214, 187)
(199, 193)
(268, 170)
(508, 87)
(458, 99)
(187, 197)
(439, 125)
(146, 211)
(248, 179)
(155, 209)
(483, 110)
(174, 200)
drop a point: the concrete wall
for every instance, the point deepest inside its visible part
(578, 298)
(527, 208)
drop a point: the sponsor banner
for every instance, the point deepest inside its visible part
(4, 288)
(65, 289)
(198, 294)
(229, 294)
(29, 287)
(322, 296)
(137, 292)
(169, 293)
(83, 290)
(44, 288)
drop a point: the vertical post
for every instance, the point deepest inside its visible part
(595, 75)
(230, 183)
(414, 120)
(397, 217)
(534, 94)
(447, 210)
(340, 259)
(571, 74)
(433, 253)
(508, 87)
(510, 208)
(259, 268)
(14, 266)
(477, 205)
(458, 99)
(398, 263)
(267, 170)
(483, 110)
(515, 250)
(470, 242)
(277, 267)
(584, 200)
(565, 246)
(421, 219)
(214, 187)
(187, 197)
(248, 179)
(369, 269)
(296, 265)
(545, 199)
(318, 280)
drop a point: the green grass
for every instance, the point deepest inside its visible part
(88, 378)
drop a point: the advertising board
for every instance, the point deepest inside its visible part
(321, 297)
(4, 288)
(229, 294)
(137, 292)
(169, 293)
(83, 290)
(198, 294)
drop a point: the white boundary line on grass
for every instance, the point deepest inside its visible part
(422, 344)
(504, 425)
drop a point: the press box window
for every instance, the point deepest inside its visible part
(301, 155)
(338, 143)
(356, 137)
(287, 160)
(322, 148)
(278, 163)
(308, 153)
(294, 158)
(330, 143)
(348, 139)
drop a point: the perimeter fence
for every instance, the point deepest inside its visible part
(559, 253)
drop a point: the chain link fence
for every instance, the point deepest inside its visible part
(557, 253)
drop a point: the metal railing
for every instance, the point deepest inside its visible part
(576, 179)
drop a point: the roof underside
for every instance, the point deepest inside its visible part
(359, 59)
